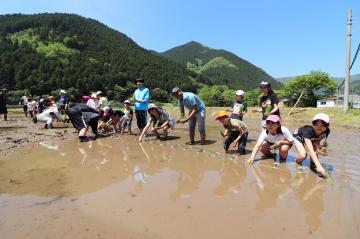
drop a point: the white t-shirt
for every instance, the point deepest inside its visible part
(24, 100)
(93, 103)
(103, 102)
(278, 137)
(31, 105)
(47, 113)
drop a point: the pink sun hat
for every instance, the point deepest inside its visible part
(273, 118)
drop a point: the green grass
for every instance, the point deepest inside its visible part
(216, 62)
(337, 116)
(15, 110)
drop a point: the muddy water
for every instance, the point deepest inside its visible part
(118, 188)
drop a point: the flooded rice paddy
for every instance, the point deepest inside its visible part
(116, 187)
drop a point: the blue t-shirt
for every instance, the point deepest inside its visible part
(190, 99)
(64, 99)
(142, 94)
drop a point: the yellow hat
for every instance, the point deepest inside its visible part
(221, 114)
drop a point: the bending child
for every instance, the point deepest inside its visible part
(274, 137)
(310, 137)
(115, 120)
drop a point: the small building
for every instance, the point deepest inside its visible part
(286, 101)
(326, 102)
(356, 104)
(290, 101)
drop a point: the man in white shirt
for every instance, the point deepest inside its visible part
(24, 102)
(103, 102)
(93, 101)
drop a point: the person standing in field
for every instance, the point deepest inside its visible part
(64, 99)
(268, 102)
(24, 102)
(239, 106)
(3, 98)
(93, 102)
(40, 105)
(141, 99)
(51, 100)
(103, 101)
(196, 113)
(127, 118)
(31, 107)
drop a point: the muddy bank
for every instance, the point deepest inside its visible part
(18, 132)
(116, 186)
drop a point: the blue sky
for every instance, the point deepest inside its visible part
(283, 37)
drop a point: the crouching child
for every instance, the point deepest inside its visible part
(236, 132)
(274, 137)
(160, 120)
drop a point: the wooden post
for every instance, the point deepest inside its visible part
(295, 104)
(347, 67)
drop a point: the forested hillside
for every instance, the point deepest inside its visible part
(44, 52)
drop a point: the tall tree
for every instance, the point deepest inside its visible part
(315, 85)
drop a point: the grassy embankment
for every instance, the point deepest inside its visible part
(299, 115)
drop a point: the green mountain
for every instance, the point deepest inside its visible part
(285, 79)
(44, 52)
(220, 66)
(354, 77)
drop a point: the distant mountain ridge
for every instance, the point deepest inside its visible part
(354, 77)
(220, 66)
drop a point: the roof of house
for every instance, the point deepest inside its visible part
(328, 99)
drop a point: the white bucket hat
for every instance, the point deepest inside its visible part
(240, 92)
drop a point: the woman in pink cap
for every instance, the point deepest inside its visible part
(274, 137)
(310, 137)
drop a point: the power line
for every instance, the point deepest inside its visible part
(353, 61)
(356, 54)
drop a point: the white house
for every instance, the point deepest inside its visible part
(356, 105)
(326, 102)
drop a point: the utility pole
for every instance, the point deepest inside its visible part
(347, 68)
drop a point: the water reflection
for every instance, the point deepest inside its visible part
(232, 175)
(309, 192)
(275, 185)
(272, 184)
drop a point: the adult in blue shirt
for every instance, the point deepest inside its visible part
(196, 112)
(141, 99)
